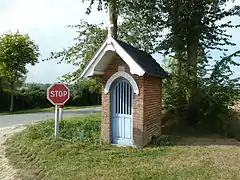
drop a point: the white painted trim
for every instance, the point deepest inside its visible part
(134, 67)
(124, 75)
(88, 71)
(109, 48)
(112, 45)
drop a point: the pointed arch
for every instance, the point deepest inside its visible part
(124, 75)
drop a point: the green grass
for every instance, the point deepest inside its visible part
(80, 154)
(44, 110)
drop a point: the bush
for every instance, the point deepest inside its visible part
(81, 128)
(215, 91)
(4, 100)
(87, 130)
(233, 127)
(35, 97)
(162, 140)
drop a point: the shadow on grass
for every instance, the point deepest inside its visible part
(200, 140)
(207, 141)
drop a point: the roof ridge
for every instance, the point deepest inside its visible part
(144, 59)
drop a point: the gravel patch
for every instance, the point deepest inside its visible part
(6, 171)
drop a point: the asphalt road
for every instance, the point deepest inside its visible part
(23, 119)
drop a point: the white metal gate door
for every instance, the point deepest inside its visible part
(122, 107)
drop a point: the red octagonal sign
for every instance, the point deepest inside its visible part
(58, 94)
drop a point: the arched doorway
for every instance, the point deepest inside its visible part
(122, 112)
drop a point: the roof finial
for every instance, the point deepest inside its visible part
(110, 25)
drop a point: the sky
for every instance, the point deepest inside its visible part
(46, 20)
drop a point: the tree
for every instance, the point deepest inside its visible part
(164, 26)
(188, 37)
(16, 51)
(193, 27)
(89, 38)
(114, 8)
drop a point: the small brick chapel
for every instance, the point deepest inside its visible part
(131, 92)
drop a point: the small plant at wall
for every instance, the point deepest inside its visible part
(162, 140)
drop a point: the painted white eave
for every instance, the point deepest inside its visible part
(133, 66)
(111, 45)
(89, 70)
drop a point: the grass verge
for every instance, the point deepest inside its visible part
(80, 154)
(45, 110)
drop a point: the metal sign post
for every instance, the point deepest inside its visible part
(56, 129)
(61, 112)
(58, 94)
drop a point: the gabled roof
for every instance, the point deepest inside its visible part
(145, 60)
(139, 62)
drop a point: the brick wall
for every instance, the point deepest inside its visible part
(152, 107)
(138, 112)
(106, 115)
(146, 105)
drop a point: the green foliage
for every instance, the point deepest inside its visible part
(176, 92)
(87, 130)
(203, 22)
(46, 158)
(193, 93)
(81, 129)
(233, 127)
(216, 93)
(24, 100)
(162, 140)
(89, 38)
(191, 28)
(5, 84)
(34, 96)
(16, 51)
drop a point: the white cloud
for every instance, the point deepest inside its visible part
(45, 21)
(43, 14)
(25, 14)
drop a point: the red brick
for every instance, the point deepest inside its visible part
(146, 106)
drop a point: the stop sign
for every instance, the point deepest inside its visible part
(58, 94)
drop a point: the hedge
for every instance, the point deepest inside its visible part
(37, 99)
